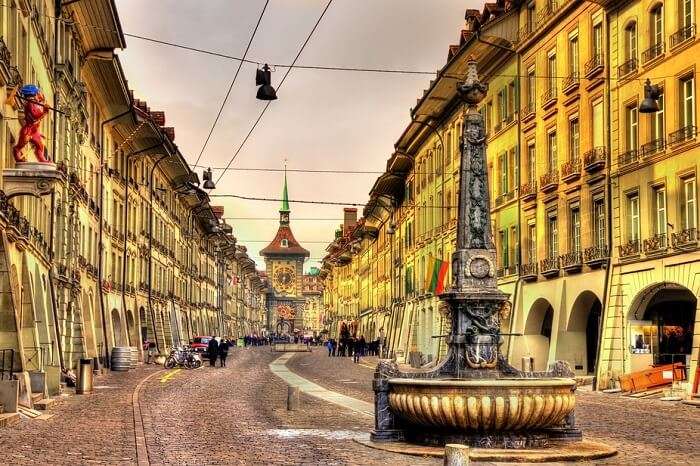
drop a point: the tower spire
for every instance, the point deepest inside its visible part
(285, 195)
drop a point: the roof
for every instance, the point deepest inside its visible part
(293, 247)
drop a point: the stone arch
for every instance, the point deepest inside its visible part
(143, 322)
(582, 333)
(661, 320)
(537, 333)
(131, 330)
(117, 333)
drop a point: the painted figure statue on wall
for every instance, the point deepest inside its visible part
(34, 112)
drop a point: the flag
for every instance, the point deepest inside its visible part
(428, 282)
(442, 273)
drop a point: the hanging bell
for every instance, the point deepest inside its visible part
(208, 183)
(650, 104)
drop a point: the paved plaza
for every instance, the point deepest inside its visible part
(237, 415)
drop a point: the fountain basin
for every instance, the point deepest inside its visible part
(479, 405)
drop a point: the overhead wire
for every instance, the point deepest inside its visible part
(279, 86)
(300, 201)
(233, 81)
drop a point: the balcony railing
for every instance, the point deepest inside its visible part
(627, 158)
(628, 67)
(571, 82)
(528, 271)
(632, 248)
(594, 159)
(505, 197)
(653, 147)
(683, 35)
(595, 255)
(683, 134)
(571, 170)
(656, 243)
(528, 191)
(528, 111)
(546, 13)
(549, 181)
(594, 65)
(571, 261)
(549, 266)
(653, 52)
(685, 238)
(549, 96)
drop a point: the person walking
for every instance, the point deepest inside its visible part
(213, 351)
(329, 345)
(223, 351)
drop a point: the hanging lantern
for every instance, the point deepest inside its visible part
(263, 78)
(650, 104)
(208, 182)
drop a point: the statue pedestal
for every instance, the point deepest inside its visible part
(30, 178)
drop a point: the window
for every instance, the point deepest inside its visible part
(552, 150)
(503, 165)
(489, 110)
(503, 240)
(531, 87)
(598, 125)
(510, 104)
(659, 206)
(688, 208)
(598, 43)
(631, 127)
(285, 243)
(574, 139)
(531, 16)
(532, 243)
(631, 42)
(686, 11)
(532, 161)
(500, 108)
(599, 222)
(573, 56)
(575, 239)
(552, 74)
(657, 121)
(687, 103)
(657, 26)
(514, 245)
(633, 217)
(553, 236)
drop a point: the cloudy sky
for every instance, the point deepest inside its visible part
(322, 120)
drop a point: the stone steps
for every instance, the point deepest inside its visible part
(43, 404)
(9, 419)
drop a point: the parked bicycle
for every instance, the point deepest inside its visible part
(182, 357)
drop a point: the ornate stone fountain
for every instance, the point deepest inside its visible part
(473, 396)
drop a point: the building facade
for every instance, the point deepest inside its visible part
(593, 203)
(125, 246)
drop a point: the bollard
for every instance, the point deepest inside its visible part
(84, 384)
(292, 398)
(456, 455)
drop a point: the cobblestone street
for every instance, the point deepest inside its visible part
(237, 415)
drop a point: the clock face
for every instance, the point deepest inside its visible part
(284, 279)
(479, 267)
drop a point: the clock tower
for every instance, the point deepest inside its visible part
(284, 263)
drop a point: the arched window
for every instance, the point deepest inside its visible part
(631, 42)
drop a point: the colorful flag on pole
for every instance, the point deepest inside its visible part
(428, 283)
(441, 276)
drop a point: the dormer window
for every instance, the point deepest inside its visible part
(285, 243)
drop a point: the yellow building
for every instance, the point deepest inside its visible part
(116, 243)
(651, 317)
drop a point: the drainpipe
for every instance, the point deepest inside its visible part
(608, 263)
(52, 217)
(150, 248)
(126, 219)
(100, 247)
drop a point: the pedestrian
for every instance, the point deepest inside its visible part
(151, 352)
(223, 351)
(212, 351)
(329, 344)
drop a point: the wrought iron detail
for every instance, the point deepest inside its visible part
(656, 243)
(683, 35)
(631, 248)
(685, 238)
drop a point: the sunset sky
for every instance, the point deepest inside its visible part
(322, 120)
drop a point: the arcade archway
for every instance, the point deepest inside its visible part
(582, 333)
(538, 332)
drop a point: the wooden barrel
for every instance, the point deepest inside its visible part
(121, 358)
(134, 356)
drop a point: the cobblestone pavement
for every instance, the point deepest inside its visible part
(82, 429)
(645, 431)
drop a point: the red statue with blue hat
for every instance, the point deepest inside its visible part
(34, 111)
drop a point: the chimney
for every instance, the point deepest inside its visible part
(349, 218)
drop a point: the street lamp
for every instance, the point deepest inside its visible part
(208, 182)
(650, 104)
(263, 78)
